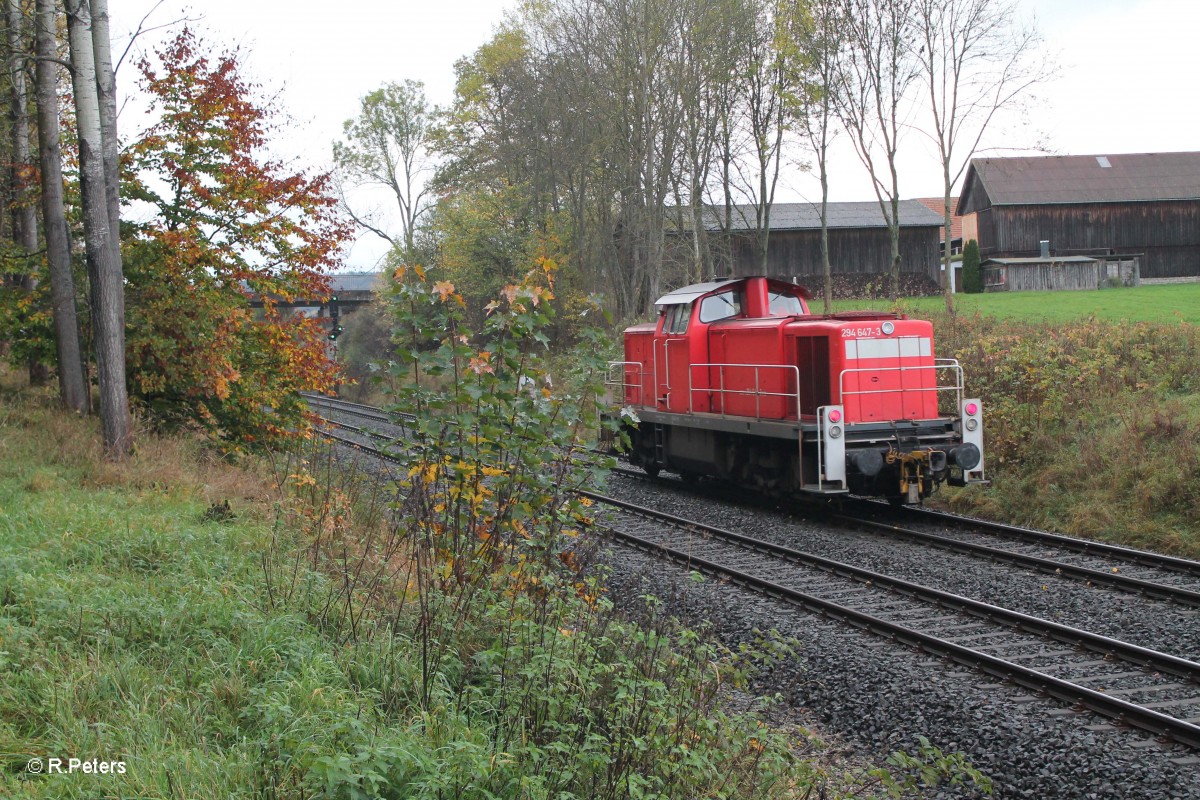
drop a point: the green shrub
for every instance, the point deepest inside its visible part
(972, 274)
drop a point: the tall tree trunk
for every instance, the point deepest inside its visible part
(24, 214)
(71, 385)
(107, 87)
(947, 264)
(103, 252)
(826, 267)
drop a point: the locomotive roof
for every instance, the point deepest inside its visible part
(686, 294)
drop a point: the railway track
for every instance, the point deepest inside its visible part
(1042, 540)
(1135, 686)
(1092, 671)
(359, 410)
(1138, 572)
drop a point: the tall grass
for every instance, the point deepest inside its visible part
(1093, 427)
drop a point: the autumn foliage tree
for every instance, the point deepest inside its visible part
(227, 221)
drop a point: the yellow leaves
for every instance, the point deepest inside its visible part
(427, 471)
(481, 363)
(538, 293)
(401, 272)
(443, 289)
(302, 479)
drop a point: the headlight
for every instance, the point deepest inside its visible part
(972, 424)
(888, 328)
(835, 432)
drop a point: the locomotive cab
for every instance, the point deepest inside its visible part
(736, 379)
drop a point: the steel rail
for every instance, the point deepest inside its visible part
(1159, 591)
(1143, 557)
(366, 448)
(359, 409)
(1141, 656)
(1104, 704)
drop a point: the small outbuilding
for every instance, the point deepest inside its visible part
(1046, 273)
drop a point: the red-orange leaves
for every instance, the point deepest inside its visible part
(230, 223)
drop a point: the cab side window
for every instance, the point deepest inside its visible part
(720, 306)
(677, 318)
(785, 305)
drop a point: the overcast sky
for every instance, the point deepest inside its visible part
(1124, 84)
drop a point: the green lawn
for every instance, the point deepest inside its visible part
(1164, 303)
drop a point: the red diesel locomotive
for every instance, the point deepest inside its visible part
(737, 380)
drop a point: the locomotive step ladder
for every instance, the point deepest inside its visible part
(660, 444)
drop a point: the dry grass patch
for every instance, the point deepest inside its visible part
(182, 463)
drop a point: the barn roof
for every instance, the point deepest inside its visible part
(938, 206)
(1038, 180)
(807, 216)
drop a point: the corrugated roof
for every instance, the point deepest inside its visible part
(1035, 180)
(1038, 260)
(354, 281)
(807, 216)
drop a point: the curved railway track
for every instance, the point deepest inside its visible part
(989, 638)
(1161, 577)
(1136, 686)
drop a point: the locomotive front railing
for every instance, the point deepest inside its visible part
(940, 365)
(623, 382)
(757, 392)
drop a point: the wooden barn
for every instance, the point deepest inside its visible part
(1144, 205)
(859, 245)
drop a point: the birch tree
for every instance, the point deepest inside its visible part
(72, 386)
(976, 59)
(101, 244)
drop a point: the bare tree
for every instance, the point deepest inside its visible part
(387, 145)
(873, 100)
(766, 82)
(977, 60)
(817, 42)
(709, 37)
(103, 253)
(72, 386)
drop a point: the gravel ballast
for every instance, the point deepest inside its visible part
(879, 696)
